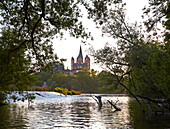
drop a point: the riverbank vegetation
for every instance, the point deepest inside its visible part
(140, 62)
(84, 81)
(39, 88)
(65, 91)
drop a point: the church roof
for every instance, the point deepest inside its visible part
(80, 53)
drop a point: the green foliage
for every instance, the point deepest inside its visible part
(58, 89)
(108, 83)
(27, 30)
(150, 70)
(14, 66)
(65, 91)
(53, 84)
(73, 92)
(60, 78)
(44, 76)
(140, 63)
(2, 98)
(87, 81)
(34, 28)
(39, 83)
(69, 93)
(83, 81)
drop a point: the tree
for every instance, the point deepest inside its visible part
(87, 81)
(44, 76)
(53, 84)
(74, 84)
(39, 83)
(108, 83)
(35, 23)
(14, 67)
(71, 82)
(28, 28)
(140, 63)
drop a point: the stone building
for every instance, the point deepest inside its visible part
(79, 64)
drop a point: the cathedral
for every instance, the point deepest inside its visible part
(79, 64)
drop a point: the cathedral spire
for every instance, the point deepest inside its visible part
(80, 53)
(80, 56)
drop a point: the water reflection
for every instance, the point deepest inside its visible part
(147, 120)
(74, 112)
(13, 116)
(65, 112)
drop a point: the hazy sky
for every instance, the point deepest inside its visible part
(69, 47)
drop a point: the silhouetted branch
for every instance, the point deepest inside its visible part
(94, 98)
(114, 105)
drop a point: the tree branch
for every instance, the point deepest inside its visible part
(119, 81)
(116, 108)
(118, 36)
(26, 14)
(35, 26)
(5, 6)
(152, 100)
(17, 48)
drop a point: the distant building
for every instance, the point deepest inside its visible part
(58, 68)
(79, 64)
(67, 71)
(45, 84)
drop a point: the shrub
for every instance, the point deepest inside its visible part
(76, 92)
(65, 91)
(69, 93)
(39, 88)
(58, 89)
(73, 92)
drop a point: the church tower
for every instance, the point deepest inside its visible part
(80, 56)
(87, 61)
(72, 63)
(78, 65)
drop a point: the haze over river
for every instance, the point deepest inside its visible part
(53, 111)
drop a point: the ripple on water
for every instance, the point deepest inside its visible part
(69, 112)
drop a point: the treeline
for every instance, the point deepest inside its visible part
(84, 81)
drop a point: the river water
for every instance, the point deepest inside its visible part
(53, 111)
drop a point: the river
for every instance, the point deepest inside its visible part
(53, 111)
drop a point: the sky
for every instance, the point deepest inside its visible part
(69, 47)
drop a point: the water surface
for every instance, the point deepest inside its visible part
(53, 111)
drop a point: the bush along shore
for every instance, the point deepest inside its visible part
(65, 91)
